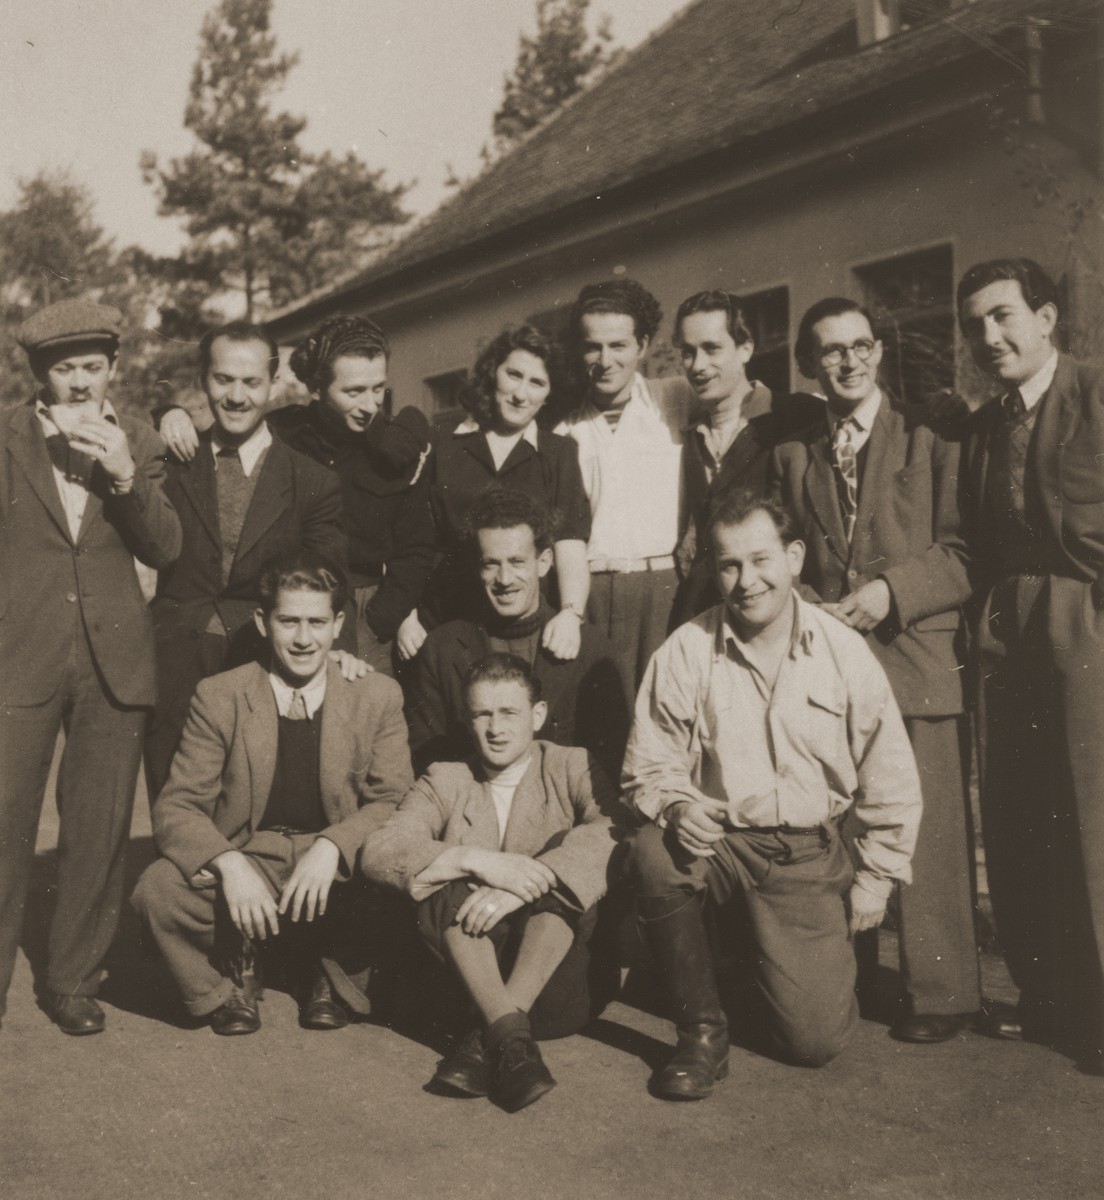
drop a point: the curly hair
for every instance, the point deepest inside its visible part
(624, 296)
(339, 337)
(499, 507)
(301, 571)
(478, 397)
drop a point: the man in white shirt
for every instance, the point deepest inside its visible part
(629, 431)
(243, 499)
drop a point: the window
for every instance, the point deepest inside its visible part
(446, 388)
(912, 298)
(768, 318)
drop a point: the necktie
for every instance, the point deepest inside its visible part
(297, 709)
(843, 451)
(1014, 406)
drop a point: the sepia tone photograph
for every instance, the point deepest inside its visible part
(552, 599)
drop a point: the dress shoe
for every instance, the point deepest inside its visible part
(928, 1028)
(518, 1073)
(465, 1068)
(323, 1010)
(700, 1059)
(77, 1015)
(238, 1015)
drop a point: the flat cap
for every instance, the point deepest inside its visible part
(70, 321)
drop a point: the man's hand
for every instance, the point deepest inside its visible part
(867, 910)
(698, 825)
(562, 635)
(351, 667)
(410, 636)
(948, 408)
(179, 434)
(867, 608)
(527, 878)
(251, 907)
(484, 908)
(107, 443)
(308, 889)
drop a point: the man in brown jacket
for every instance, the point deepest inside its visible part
(280, 776)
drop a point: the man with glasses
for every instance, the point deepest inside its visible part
(874, 490)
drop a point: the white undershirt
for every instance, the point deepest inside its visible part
(503, 786)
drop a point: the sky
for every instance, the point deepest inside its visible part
(409, 85)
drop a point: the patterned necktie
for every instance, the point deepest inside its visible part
(297, 709)
(1014, 406)
(846, 460)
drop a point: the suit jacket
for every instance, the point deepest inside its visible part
(222, 774)
(1069, 471)
(585, 697)
(565, 813)
(296, 502)
(44, 573)
(907, 531)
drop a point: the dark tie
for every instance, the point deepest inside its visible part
(847, 464)
(1014, 406)
(297, 709)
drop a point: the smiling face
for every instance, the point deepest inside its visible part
(238, 386)
(300, 629)
(357, 389)
(1009, 340)
(521, 388)
(849, 382)
(755, 571)
(511, 568)
(714, 364)
(77, 381)
(612, 355)
(504, 720)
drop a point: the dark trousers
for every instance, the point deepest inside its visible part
(190, 925)
(938, 942)
(569, 999)
(633, 609)
(95, 797)
(793, 888)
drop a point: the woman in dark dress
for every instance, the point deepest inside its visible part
(518, 376)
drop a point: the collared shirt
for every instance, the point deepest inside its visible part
(633, 474)
(829, 735)
(498, 445)
(313, 694)
(72, 485)
(249, 451)
(503, 785)
(1036, 387)
(863, 416)
(726, 422)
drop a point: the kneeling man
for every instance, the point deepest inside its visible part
(758, 725)
(280, 776)
(506, 859)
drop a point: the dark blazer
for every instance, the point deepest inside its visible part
(222, 774)
(43, 573)
(296, 502)
(585, 697)
(907, 531)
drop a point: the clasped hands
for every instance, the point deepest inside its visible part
(502, 883)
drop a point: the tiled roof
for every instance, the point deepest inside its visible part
(718, 73)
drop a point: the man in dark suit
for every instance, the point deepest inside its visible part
(1034, 498)
(510, 541)
(81, 498)
(282, 773)
(242, 499)
(727, 450)
(874, 488)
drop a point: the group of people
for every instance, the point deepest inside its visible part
(678, 639)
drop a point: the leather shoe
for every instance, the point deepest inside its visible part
(465, 1068)
(700, 1059)
(77, 1015)
(323, 1010)
(238, 1015)
(928, 1028)
(519, 1076)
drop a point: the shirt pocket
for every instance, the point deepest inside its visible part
(823, 728)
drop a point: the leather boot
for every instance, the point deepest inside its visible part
(675, 933)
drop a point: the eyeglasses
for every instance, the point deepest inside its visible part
(834, 356)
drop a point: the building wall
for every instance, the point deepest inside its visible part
(965, 189)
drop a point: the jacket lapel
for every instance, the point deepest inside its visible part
(820, 487)
(269, 502)
(1054, 425)
(197, 482)
(260, 734)
(524, 824)
(336, 746)
(872, 489)
(28, 448)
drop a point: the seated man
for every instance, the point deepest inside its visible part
(506, 860)
(758, 725)
(280, 776)
(510, 539)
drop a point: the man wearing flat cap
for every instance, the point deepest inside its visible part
(80, 500)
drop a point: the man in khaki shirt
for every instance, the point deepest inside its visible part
(758, 725)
